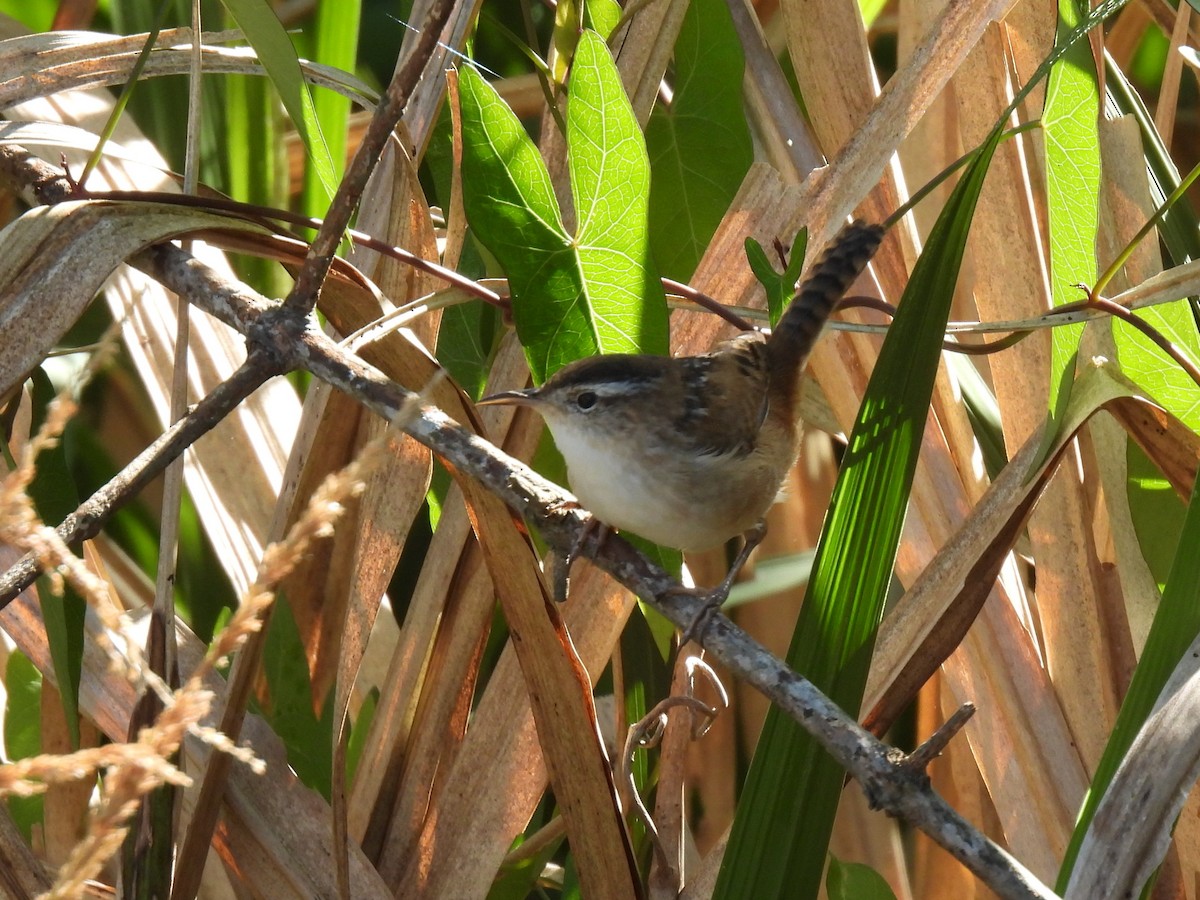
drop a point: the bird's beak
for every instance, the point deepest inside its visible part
(510, 398)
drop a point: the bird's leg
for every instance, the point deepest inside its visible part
(713, 598)
(561, 579)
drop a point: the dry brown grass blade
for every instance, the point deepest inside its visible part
(419, 754)
(327, 501)
(38, 65)
(498, 776)
(642, 47)
(466, 600)
(318, 590)
(22, 875)
(1131, 830)
(934, 875)
(771, 107)
(387, 743)
(56, 259)
(939, 503)
(595, 615)
(467, 637)
(66, 804)
(960, 576)
(1172, 446)
(233, 500)
(935, 613)
(1005, 243)
(829, 53)
(833, 192)
(1168, 95)
(420, 114)
(561, 698)
(1022, 746)
(1072, 599)
(667, 871)
(360, 561)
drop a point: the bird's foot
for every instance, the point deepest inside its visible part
(712, 599)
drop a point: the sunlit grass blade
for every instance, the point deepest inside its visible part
(336, 45)
(275, 51)
(785, 815)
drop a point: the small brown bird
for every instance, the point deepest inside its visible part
(691, 451)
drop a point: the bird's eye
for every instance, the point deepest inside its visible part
(586, 400)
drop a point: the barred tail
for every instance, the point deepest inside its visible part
(827, 281)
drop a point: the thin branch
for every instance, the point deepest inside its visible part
(91, 515)
(303, 297)
(282, 340)
(919, 759)
(887, 783)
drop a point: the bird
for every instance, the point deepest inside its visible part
(691, 451)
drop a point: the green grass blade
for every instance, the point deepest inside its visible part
(266, 35)
(55, 497)
(337, 46)
(785, 815)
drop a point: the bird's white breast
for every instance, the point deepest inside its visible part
(673, 502)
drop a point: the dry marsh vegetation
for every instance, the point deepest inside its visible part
(280, 610)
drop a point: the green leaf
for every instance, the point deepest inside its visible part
(1069, 125)
(780, 287)
(700, 147)
(785, 815)
(855, 881)
(512, 210)
(571, 297)
(358, 734)
(23, 731)
(602, 16)
(519, 880)
(54, 497)
(465, 344)
(610, 178)
(270, 41)
(309, 740)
